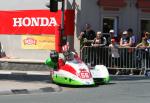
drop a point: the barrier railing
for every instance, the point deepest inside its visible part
(118, 58)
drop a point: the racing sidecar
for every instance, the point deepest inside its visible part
(76, 72)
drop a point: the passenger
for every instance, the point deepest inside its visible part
(68, 55)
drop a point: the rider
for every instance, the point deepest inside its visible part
(54, 61)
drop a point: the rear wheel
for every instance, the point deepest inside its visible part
(102, 81)
(106, 80)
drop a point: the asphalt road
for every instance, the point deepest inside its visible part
(120, 91)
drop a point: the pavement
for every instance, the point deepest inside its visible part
(25, 76)
(26, 82)
(18, 76)
(29, 82)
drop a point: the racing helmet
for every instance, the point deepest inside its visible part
(54, 56)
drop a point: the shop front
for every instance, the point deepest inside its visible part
(32, 33)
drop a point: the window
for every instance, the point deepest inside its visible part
(145, 26)
(110, 23)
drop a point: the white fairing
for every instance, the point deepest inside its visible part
(80, 76)
(63, 73)
(100, 71)
(78, 66)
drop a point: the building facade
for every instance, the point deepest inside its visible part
(103, 15)
(119, 15)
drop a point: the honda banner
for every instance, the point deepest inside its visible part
(35, 22)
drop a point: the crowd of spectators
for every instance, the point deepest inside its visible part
(128, 39)
(88, 37)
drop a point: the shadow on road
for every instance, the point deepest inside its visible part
(84, 86)
(46, 79)
(129, 78)
(26, 78)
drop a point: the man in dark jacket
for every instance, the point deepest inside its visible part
(87, 36)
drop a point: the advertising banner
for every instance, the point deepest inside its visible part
(46, 42)
(35, 22)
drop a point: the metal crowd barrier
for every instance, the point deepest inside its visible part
(127, 58)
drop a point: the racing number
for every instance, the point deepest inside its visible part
(84, 75)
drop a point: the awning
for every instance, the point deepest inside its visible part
(112, 3)
(144, 5)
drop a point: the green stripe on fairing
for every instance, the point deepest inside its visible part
(64, 80)
(106, 80)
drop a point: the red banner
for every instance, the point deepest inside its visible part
(111, 3)
(34, 22)
(143, 4)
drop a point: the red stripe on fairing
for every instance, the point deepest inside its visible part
(69, 68)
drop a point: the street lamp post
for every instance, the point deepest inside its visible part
(63, 38)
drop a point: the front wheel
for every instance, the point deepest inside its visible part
(51, 76)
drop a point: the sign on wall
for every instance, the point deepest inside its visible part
(35, 22)
(38, 42)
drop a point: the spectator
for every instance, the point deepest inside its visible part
(147, 35)
(133, 44)
(86, 37)
(126, 51)
(111, 36)
(99, 40)
(133, 37)
(143, 54)
(112, 33)
(125, 40)
(114, 54)
(143, 44)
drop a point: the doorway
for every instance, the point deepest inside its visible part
(145, 25)
(110, 23)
